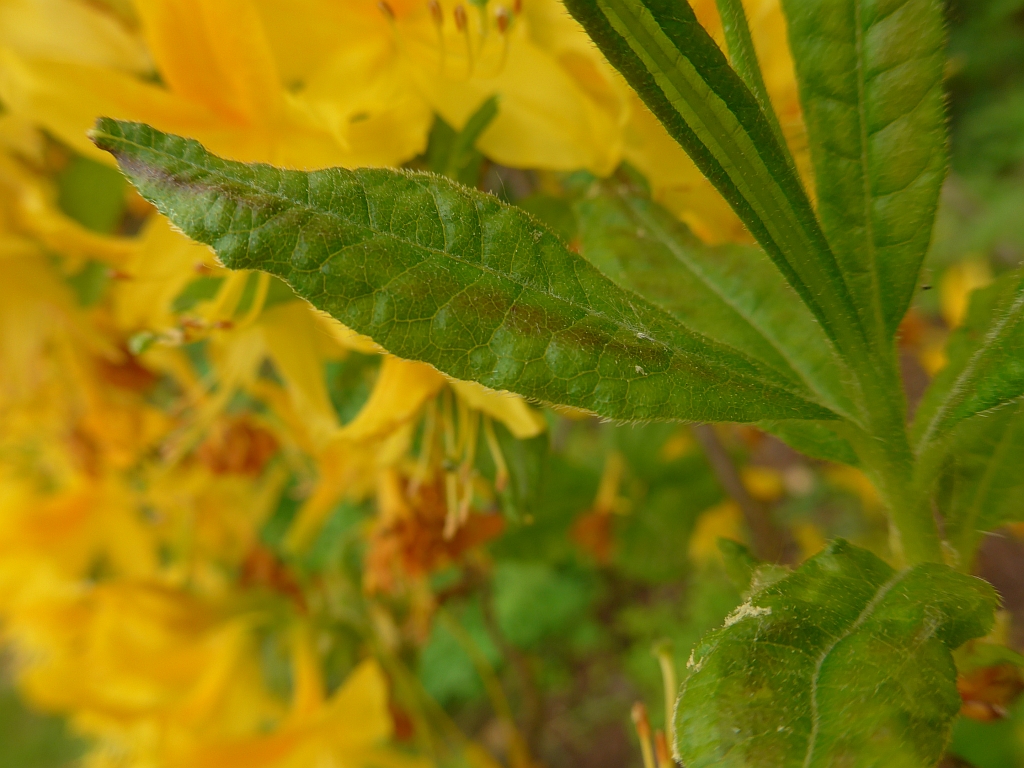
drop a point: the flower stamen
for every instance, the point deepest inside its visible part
(462, 25)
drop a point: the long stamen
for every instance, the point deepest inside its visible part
(643, 730)
(426, 447)
(502, 20)
(472, 433)
(500, 467)
(437, 16)
(661, 752)
(462, 25)
(451, 480)
(258, 300)
(663, 650)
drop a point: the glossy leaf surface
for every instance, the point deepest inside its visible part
(685, 79)
(437, 272)
(843, 662)
(870, 74)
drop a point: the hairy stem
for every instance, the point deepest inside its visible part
(884, 449)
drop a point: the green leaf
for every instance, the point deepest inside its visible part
(682, 75)
(437, 272)
(743, 57)
(843, 662)
(982, 486)
(739, 562)
(453, 153)
(730, 293)
(92, 194)
(534, 601)
(813, 438)
(986, 363)
(870, 75)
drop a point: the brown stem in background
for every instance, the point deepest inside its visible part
(532, 703)
(769, 542)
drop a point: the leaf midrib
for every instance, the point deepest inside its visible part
(664, 316)
(864, 615)
(869, 224)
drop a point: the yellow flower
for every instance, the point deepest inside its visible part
(145, 670)
(350, 728)
(221, 86)
(454, 55)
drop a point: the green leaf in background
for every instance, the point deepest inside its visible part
(453, 153)
(986, 363)
(32, 740)
(843, 662)
(870, 76)
(91, 193)
(730, 293)
(534, 601)
(983, 485)
(436, 272)
(813, 438)
(683, 77)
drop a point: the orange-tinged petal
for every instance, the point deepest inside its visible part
(214, 53)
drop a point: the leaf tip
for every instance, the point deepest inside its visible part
(105, 133)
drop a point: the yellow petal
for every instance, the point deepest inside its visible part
(725, 521)
(763, 483)
(510, 409)
(558, 127)
(958, 283)
(307, 679)
(165, 262)
(20, 137)
(214, 53)
(66, 98)
(358, 711)
(346, 338)
(289, 330)
(71, 31)
(402, 388)
(34, 209)
(363, 95)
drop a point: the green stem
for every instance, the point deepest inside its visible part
(884, 449)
